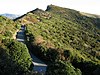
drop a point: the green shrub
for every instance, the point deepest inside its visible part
(15, 59)
(62, 68)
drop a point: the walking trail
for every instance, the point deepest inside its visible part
(39, 66)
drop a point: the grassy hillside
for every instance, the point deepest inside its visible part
(61, 34)
(14, 56)
(7, 27)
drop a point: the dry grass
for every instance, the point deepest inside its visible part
(39, 40)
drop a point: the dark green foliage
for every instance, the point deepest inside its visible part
(62, 68)
(86, 67)
(20, 54)
(53, 55)
(15, 59)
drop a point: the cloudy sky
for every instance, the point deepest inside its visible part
(23, 6)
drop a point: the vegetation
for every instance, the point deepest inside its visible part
(14, 56)
(15, 59)
(61, 68)
(68, 41)
(66, 35)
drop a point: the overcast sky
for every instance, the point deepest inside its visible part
(23, 6)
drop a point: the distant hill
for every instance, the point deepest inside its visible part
(90, 15)
(10, 16)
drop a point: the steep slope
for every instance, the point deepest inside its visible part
(61, 34)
